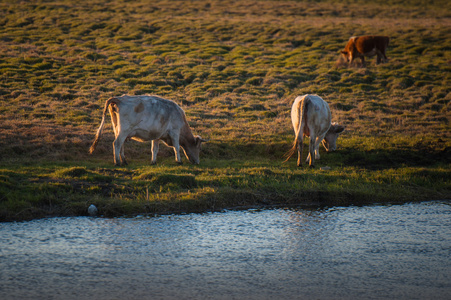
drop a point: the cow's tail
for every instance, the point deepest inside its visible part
(99, 131)
(300, 131)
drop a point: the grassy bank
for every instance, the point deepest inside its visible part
(39, 190)
(235, 67)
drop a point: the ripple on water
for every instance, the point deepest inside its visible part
(398, 251)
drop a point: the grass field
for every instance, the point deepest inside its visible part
(235, 67)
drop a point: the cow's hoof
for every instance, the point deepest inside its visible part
(180, 163)
(153, 163)
(311, 166)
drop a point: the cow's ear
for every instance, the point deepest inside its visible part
(344, 52)
(339, 128)
(200, 140)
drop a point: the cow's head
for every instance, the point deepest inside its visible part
(330, 140)
(347, 55)
(192, 150)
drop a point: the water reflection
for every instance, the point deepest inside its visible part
(377, 252)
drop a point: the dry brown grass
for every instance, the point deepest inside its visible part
(234, 66)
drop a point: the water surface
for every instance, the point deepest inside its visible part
(373, 252)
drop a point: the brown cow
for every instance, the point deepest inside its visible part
(367, 45)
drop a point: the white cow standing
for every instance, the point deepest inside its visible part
(143, 118)
(311, 116)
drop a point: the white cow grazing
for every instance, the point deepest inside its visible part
(144, 118)
(311, 117)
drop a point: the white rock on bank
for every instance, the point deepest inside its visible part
(92, 210)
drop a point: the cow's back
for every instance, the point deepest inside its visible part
(316, 114)
(366, 44)
(149, 101)
(150, 105)
(149, 117)
(350, 45)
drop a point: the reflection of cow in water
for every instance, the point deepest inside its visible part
(145, 118)
(311, 116)
(367, 45)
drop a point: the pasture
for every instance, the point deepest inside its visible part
(235, 67)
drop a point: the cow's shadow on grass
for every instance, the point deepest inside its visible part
(388, 159)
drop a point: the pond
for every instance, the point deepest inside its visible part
(371, 252)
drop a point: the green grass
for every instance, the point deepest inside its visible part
(235, 68)
(40, 190)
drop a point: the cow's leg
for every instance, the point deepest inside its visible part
(316, 150)
(123, 161)
(114, 121)
(300, 149)
(155, 148)
(379, 56)
(312, 150)
(317, 143)
(383, 54)
(178, 157)
(176, 144)
(117, 147)
(307, 160)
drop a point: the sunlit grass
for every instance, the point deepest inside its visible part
(37, 191)
(235, 68)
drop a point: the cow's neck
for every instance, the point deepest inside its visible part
(186, 136)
